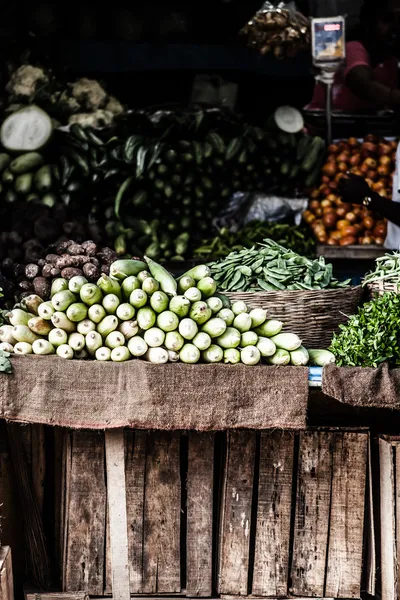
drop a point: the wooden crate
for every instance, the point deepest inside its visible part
(269, 514)
(308, 504)
(145, 540)
(6, 574)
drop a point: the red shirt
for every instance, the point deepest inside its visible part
(343, 98)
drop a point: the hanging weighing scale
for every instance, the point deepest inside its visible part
(328, 53)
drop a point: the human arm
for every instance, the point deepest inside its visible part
(355, 190)
(361, 83)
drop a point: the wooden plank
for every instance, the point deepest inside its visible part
(345, 555)
(86, 513)
(58, 439)
(350, 252)
(387, 512)
(236, 513)
(271, 560)
(38, 595)
(6, 574)
(371, 546)
(162, 514)
(116, 494)
(11, 524)
(200, 486)
(65, 488)
(135, 465)
(397, 513)
(135, 485)
(38, 463)
(312, 513)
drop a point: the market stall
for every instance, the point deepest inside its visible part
(194, 401)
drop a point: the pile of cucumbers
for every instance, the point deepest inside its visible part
(27, 177)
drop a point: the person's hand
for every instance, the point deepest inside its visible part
(353, 189)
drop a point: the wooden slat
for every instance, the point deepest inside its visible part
(11, 524)
(6, 574)
(271, 560)
(346, 529)
(38, 463)
(200, 485)
(31, 595)
(135, 465)
(116, 495)
(86, 514)
(397, 513)
(312, 513)
(387, 512)
(135, 475)
(370, 566)
(236, 513)
(64, 514)
(58, 478)
(162, 514)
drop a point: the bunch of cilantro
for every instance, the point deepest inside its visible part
(372, 336)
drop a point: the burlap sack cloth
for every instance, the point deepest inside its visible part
(363, 386)
(94, 395)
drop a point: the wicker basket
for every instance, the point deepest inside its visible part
(381, 287)
(314, 315)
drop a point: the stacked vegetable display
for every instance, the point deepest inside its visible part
(336, 223)
(271, 267)
(181, 170)
(155, 184)
(136, 313)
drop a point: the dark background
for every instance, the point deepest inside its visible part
(149, 52)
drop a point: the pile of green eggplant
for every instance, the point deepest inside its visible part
(141, 311)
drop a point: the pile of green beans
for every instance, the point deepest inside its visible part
(387, 269)
(271, 267)
(294, 237)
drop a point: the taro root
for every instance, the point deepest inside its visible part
(91, 271)
(42, 287)
(31, 271)
(90, 248)
(70, 272)
(75, 249)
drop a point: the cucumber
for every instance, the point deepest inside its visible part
(25, 130)
(23, 184)
(26, 163)
(49, 200)
(4, 161)
(317, 148)
(139, 198)
(233, 148)
(7, 176)
(43, 179)
(10, 196)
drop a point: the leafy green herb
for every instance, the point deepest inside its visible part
(372, 336)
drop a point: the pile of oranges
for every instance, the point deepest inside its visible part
(340, 224)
